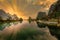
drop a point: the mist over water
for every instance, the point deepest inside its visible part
(25, 29)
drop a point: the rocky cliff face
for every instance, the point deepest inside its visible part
(3, 15)
(7, 16)
(54, 11)
(41, 15)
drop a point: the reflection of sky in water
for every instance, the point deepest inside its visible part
(13, 29)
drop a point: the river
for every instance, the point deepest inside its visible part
(9, 31)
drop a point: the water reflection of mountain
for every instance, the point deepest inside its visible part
(54, 30)
(26, 31)
(3, 25)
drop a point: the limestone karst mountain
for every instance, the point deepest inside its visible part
(41, 15)
(3, 15)
(54, 11)
(7, 16)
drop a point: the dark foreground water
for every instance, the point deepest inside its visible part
(24, 31)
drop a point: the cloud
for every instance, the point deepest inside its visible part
(25, 8)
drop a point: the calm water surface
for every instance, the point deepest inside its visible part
(8, 28)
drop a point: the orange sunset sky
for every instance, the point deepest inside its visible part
(25, 8)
